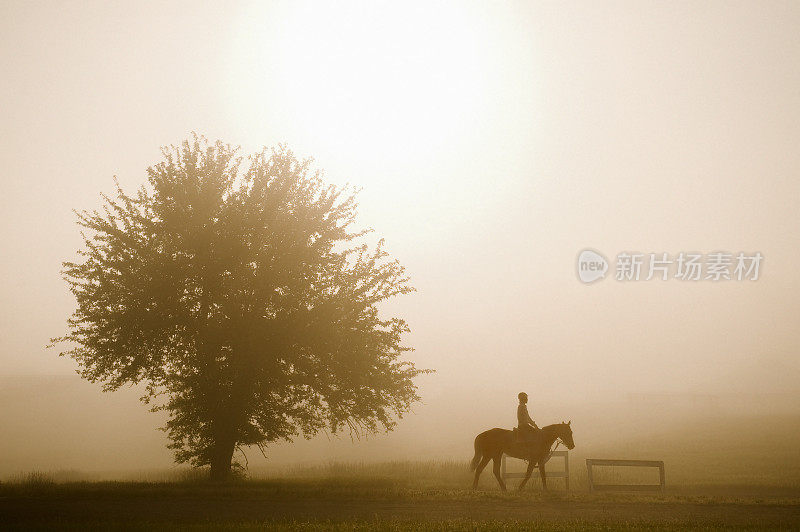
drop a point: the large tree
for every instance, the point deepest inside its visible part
(237, 291)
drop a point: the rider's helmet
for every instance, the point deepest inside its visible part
(522, 396)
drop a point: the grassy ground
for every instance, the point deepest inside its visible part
(391, 496)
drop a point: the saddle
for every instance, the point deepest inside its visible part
(521, 436)
(523, 444)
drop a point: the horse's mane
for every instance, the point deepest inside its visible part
(551, 426)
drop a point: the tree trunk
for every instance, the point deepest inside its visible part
(221, 460)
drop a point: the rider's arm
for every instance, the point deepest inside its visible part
(530, 421)
(522, 412)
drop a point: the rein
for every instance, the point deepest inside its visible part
(553, 448)
(555, 445)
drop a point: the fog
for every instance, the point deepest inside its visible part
(492, 144)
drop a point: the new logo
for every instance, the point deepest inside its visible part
(591, 266)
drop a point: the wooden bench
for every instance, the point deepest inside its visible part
(591, 462)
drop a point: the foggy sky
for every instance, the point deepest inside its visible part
(491, 143)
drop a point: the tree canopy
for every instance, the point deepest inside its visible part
(237, 290)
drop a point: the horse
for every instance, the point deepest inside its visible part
(493, 443)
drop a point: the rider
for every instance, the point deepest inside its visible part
(527, 427)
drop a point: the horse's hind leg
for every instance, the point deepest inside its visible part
(479, 470)
(528, 472)
(496, 468)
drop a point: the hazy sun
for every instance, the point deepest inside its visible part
(394, 81)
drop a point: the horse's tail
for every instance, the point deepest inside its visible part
(477, 458)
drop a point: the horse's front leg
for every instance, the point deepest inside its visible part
(496, 468)
(528, 472)
(544, 477)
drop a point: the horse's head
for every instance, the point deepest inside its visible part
(565, 434)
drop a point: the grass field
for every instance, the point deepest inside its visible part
(734, 474)
(388, 496)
